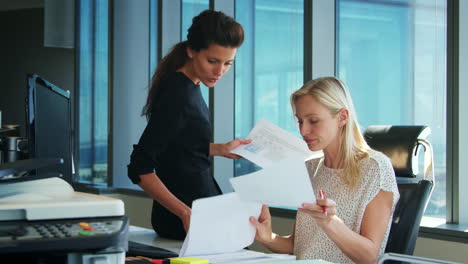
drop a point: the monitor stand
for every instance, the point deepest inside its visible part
(53, 198)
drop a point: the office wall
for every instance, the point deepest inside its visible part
(138, 209)
(22, 51)
(438, 249)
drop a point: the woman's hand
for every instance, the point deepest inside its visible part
(224, 150)
(263, 226)
(323, 211)
(265, 235)
(185, 217)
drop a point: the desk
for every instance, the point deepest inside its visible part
(149, 237)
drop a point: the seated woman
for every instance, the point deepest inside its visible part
(352, 223)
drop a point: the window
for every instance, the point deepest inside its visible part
(392, 55)
(190, 9)
(153, 36)
(269, 66)
(93, 92)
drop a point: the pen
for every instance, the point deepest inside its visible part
(323, 196)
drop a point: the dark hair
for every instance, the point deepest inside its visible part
(207, 28)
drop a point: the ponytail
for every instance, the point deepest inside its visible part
(174, 60)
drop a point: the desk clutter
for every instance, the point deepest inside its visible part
(139, 253)
(136, 249)
(182, 260)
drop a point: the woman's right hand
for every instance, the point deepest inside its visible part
(185, 217)
(264, 232)
(153, 185)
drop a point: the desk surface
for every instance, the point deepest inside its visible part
(149, 237)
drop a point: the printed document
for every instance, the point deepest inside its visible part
(285, 183)
(284, 180)
(220, 224)
(271, 144)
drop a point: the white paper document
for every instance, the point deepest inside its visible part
(271, 144)
(220, 224)
(286, 183)
(245, 256)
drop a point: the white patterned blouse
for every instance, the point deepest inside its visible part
(310, 242)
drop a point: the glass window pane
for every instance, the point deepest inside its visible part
(391, 53)
(269, 66)
(100, 93)
(190, 9)
(85, 84)
(93, 92)
(153, 36)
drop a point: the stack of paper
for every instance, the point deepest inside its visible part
(243, 256)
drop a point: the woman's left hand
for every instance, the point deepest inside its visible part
(224, 150)
(323, 211)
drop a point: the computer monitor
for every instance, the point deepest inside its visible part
(48, 125)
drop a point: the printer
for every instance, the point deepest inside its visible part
(42, 218)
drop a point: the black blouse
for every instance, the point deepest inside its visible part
(175, 145)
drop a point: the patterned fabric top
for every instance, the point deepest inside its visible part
(377, 174)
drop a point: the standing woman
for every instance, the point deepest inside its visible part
(351, 224)
(171, 161)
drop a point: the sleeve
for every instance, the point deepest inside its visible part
(140, 163)
(163, 128)
(381, 177)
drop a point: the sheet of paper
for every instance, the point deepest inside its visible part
(243, 256)
(220, 224)
(271, 144)
(286, 183)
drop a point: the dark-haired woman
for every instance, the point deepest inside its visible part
(171, 161)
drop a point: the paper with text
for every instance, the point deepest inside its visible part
(271, 144)
(286, 183)
(220, 224)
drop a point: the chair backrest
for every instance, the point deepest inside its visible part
(402, 145)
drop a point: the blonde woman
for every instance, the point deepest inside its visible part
(352, 223)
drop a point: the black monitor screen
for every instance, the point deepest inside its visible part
(48, 113)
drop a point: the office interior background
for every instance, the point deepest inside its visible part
(405, 62)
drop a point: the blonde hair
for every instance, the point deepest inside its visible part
(333, 94)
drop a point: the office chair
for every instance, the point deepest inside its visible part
(402, 145)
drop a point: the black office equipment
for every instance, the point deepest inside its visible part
(49, 129)
(8, 171)
(10, 142)
(402, 144)
(64, 235)
(139, 249)
(42, 219)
